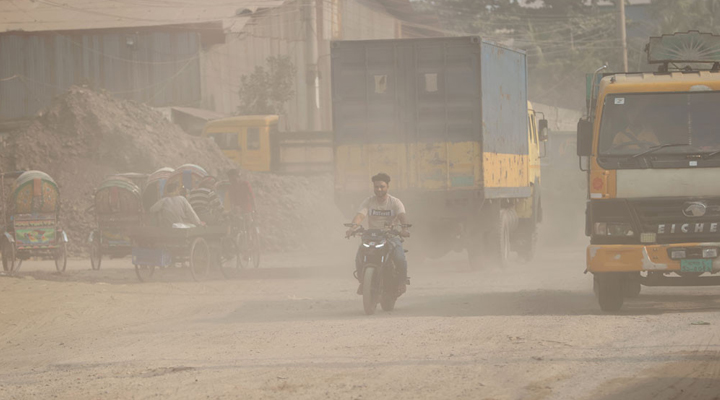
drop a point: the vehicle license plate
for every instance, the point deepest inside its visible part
(696, 265)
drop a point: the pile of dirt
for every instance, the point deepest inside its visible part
(84, 136)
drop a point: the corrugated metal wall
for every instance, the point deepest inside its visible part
(158, 68)
(285, 31)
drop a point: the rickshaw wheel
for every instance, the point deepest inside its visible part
(254, 247)
(144, 272)
(8, 256)
(199, 259)
(228, 258)
(95, 255)
(242, 249)
(61, 257)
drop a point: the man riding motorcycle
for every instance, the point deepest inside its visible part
(381, 211)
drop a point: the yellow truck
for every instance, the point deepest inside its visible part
(652, 154)
(448, 119)
(254, 143)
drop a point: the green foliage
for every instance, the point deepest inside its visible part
(267, 89)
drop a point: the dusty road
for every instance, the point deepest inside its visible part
(295, 329)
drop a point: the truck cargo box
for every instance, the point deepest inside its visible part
(445, 115)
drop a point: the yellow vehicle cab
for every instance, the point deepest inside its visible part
(650, 141)
(245, 139)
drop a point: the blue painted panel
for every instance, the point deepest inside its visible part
(504, 100)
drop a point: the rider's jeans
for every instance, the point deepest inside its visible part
(397, 255)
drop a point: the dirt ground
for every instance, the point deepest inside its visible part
(295, 329)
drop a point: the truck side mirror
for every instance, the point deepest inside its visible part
(584, 137)
(543, 132)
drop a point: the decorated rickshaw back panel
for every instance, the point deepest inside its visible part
(35, 230)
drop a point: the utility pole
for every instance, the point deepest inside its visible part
(623, 33)
(312, 100)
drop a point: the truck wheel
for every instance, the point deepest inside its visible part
(499, 239)
(632, 286)
(609, 291)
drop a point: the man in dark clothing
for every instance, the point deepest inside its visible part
(242, 199)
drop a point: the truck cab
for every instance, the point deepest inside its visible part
(653, 156)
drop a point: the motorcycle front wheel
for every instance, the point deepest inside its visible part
(389, 295)
(369, 299)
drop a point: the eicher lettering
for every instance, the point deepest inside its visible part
(709, 227)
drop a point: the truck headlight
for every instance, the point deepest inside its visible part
(710, 253)
(600, 228)
(613, 229)
(678, 254)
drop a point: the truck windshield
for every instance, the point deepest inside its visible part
(634, 123)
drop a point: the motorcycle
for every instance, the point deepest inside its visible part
(378, 274)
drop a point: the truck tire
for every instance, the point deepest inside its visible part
(632, 286)
(609, 289)
(498, 239)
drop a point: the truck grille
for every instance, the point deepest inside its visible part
(680, 220)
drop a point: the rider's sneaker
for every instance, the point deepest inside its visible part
(360, 287)
(402, 288)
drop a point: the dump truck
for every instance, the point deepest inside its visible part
(449, 120)
(255, 143)
(650, 147)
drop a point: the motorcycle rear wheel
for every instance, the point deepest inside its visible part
(369, 299)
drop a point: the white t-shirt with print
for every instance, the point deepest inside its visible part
(380, 213)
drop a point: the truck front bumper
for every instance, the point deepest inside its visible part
(656, 257)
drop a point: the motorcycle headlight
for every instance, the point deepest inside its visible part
(380, 245)
(366, 245)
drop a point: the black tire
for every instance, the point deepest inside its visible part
(498, 240)
(229, 262)
(95, 255)
(200, 259)
(632, 286)
(390, 288)
(241, 241)
(61, 258)
(254, 247)
(610, 291)
(144, 272)
(388, 302)
(369, 295)
(8, 256)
